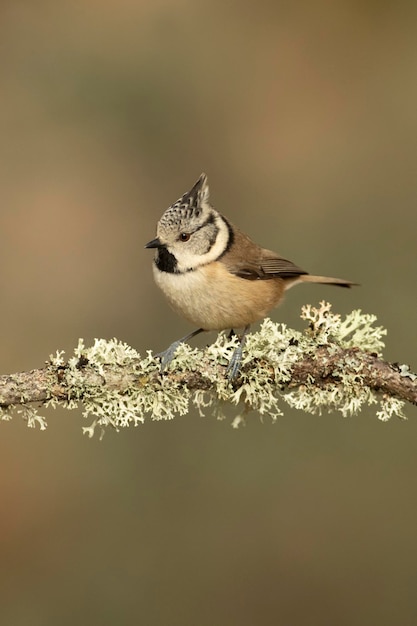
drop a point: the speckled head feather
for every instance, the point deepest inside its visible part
(189, 206)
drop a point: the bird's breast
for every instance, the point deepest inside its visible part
(212, 298)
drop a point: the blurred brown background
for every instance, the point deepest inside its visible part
(304, 116)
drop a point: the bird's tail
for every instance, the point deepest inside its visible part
(326, 280)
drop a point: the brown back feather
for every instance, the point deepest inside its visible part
(248, 260)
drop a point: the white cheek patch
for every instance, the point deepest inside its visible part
(187, 260)
(221, 243)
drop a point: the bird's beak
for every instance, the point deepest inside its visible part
(155, 243)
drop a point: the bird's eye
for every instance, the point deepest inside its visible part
(184, 237)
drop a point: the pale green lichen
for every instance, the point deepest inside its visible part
(162, 399)
(30, 414)
(349, 394)
(357, 329)
(389, 407)
(405, 372)
(269, 355)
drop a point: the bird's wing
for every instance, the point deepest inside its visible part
(277, 266)
(265, 269)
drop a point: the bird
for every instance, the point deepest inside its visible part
(214, 275)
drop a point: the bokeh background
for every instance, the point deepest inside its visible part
(304, 116)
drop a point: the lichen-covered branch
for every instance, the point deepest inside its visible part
(334, 364)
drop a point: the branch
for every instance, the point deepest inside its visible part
(333, 365)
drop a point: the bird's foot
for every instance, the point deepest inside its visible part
(167, 355)
(233, 368)
(235, 362)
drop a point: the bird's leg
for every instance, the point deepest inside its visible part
(236, 360)
(167, 355)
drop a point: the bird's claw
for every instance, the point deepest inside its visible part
(235, 362)
(167, 355)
